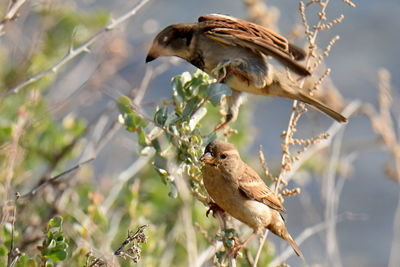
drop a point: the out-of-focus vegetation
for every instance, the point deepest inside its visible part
(57, 206)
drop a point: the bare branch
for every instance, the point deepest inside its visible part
(124, 177)
(72, 53)
(11, 14)
(262, 241)
(13, 253)
(307, 233)
(53, 179)
(332, 131)
(394, 258)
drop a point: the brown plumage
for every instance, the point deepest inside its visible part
(237, 189)
(234, 51)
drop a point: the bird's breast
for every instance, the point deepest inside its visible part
(227, 195)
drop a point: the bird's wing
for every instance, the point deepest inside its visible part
(233, 31)
(254, 187)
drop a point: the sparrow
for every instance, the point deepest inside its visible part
(237, 189)
(235, 52)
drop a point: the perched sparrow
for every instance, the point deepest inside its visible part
(234, 51)
(237, 189)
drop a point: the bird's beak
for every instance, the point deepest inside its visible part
(207, 158)
(150, 57)
(153, 54)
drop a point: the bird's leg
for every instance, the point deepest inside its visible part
(238, 246)
(212, 206)
(224, 69)
(233, 102)
(221, 71)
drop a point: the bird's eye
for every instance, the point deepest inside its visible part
(223, 156)
(165, 39)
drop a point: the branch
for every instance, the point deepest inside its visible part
(297, 110)
(394, 257)
(261, 245)
(138, 236)
(307, 233)
(72, 53)
(332, 196)
(208, 253)
(52, 179)
(13, 253)
(124, 177)
(349, 110)
(12, 13)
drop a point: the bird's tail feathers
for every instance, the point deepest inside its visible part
(293, 244)
(320, 106)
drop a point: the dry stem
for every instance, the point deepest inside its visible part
(73, 52)
(12, 13)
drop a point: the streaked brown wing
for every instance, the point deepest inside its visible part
(233, 31)
(254, 187)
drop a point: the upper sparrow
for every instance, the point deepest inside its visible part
(237, 189)
(234, 51)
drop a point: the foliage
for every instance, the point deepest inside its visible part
(180, 140)
(54, 246)
(80, 218)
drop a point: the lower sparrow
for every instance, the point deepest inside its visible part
(237, 189)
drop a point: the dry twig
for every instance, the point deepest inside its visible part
(12, 13)
(73, 52)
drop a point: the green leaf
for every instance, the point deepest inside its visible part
(216, 91)
(62, 244)
(185, 78)
(128, 116)
(124, 104)
(23, 261)
(3, 250)
(177, 88)
(52, 244)
(171, 118)
(142, 137)
(57, 255)
(190, 107)
(161, 116)
(209, 138)
(31, 263)
(55, 222)
(5, 133)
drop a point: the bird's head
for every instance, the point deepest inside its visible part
(174, 40)
(221, 154)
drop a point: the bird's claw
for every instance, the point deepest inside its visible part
(214, 208)
(220, 71)
(223, 124)
(237, 247)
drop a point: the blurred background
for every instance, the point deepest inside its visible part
(67, 116)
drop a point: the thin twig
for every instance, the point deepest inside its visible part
(124, 177)
(349, 110)
(331, 197)
(130, 238)
(293, 116)
(307, 233)
(186, 214)
(12, 13)
(73, 52)
(54, 178)
(13, 253)
(394, 258)
(208, 253)
(264, 237)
